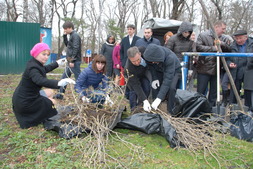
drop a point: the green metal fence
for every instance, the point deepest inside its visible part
(16, 41)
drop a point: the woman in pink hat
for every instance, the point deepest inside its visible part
(31, 105)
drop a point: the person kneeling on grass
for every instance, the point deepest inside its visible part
(30, 104)
(93, 77)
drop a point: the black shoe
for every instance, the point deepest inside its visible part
(58, 96)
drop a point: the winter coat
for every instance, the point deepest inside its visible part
(73, 47)
(143, 42)
(248, 74)
(241, 62)
(30, 108)
(168, 65)
(106, 50)
(205, 43)
(178, 43)
(125, 45)
(116, 56)
(135, 74)
(89, 78)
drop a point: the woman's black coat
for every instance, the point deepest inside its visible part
(29, 106)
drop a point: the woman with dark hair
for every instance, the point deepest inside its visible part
(106, 50)
(92, 82)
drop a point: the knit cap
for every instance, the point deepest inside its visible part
(39, 47)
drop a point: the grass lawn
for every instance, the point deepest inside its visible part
(37, 148)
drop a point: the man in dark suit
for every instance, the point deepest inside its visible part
(138, 83)
(127, 42)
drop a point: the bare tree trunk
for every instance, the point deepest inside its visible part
(12, 14)
(178, 6)
(218, 5)
(25, 10)
(51, 16)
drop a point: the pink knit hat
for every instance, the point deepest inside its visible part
(39, 47)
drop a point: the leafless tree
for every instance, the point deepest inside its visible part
(3, 16)
(12, 10)
(190, 10)
(240, 16)
(63, 7)
(178, 6)
(123, 14)
(25, 10)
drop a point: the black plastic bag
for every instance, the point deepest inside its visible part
(242, 126)
(68, 130)
(64, 130)
(151, 124)
(190, 104)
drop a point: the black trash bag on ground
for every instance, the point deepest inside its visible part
(190, 104)
(64, 130)
(68, 130)
(242, 126)
(151, 124)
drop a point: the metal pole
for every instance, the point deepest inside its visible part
(218, 54)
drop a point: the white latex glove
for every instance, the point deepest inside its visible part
(61, 62)
(190, 73)
(156, 103)
(146, 106)
(108, 100)
(85, 99)
(155, 84)
(64, 82)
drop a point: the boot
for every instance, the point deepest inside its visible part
(225, 97)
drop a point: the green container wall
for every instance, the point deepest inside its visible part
(16, 41)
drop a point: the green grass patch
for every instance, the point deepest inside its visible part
(37, 148)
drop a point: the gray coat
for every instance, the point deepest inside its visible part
(205, 43)
(248, 74)
(178, 43)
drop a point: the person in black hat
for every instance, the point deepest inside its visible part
(237, 65)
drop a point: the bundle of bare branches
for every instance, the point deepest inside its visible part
(98, 120)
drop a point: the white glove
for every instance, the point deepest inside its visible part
(61, 62)
(85, 99)
(155, 84)
(190, 72)
(156, 103)
(146, 106)
(64, 82)
(108, 100)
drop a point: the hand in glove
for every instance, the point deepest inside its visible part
(146, 106)
(155, 84)
(108, 100)
(85, 99)
(64, 82)
(61, 62)
(156, 103)
(190, 72)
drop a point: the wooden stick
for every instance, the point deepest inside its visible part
(222, 58)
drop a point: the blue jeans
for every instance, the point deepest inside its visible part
(145, 84)
(68, 71)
